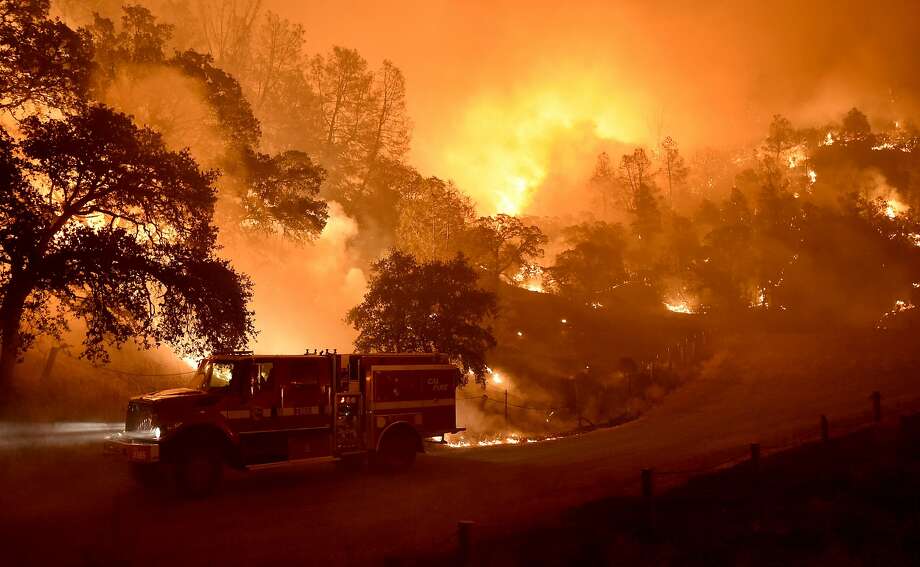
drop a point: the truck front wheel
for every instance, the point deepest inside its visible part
(397, 451)
(199, 469)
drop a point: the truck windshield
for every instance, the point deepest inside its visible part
(221, 373)
(213, 375)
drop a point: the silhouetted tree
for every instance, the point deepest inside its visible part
(387, 135)
(781, 138)
(604, 181)
(593, 265)
(42, 61)
(635, 173)
(426, 307)
(278, 194)
(433, 218)
(100, 222)
(267, 193)
(673, 167)
(855, 125)
(503, 243)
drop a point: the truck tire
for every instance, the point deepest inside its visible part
(397, 451)
(147, 475)
(199, 469)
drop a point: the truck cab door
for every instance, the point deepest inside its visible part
(263, 438)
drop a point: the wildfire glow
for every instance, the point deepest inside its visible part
(680, 307)
(506, 439)
(507, 142)
(796, 157)
(895, 208)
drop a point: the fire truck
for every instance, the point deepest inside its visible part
(250, 411)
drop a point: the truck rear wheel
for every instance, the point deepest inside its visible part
(148, 475)
(199, 469)
(397, 451)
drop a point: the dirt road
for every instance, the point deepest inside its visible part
(66, 504)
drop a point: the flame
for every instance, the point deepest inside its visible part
(506, 143)
(530, 278)
(680, 307)
(895, 208)
(494, 376)
(534, 287)
(812, 176)
(499, 439)
(796, 156)
(828, 140)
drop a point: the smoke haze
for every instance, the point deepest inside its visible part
(496, 88)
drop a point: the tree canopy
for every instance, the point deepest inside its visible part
(433, 306)
(100, 221)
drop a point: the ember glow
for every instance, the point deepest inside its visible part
(895, 208)
(680, 307)
(463, 440)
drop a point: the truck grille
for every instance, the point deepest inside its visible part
(139, 418)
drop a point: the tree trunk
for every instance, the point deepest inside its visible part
(10, 319)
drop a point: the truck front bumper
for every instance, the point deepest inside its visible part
(133, 449)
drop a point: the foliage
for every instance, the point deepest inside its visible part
(266, 193)
(635, 176)
(278, 194)
(101, 222)
(433, 306)
(42, 61)
(502, 245)
(673, 167)
(593, 266)
(433, 218)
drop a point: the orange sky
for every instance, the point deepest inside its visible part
(506, 95)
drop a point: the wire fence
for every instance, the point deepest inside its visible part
(89, 364)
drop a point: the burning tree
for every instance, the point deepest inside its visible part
(426, 307)
(503, 244)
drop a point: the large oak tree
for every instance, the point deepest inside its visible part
(100, 222)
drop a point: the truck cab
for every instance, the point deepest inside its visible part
(248, 411)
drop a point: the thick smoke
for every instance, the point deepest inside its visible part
(303, 291)
(482, 76)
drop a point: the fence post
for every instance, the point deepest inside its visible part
(755, 458)
(647, 488)
(825, 430)
(876, 406)
(648, 496)
(465, 541)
